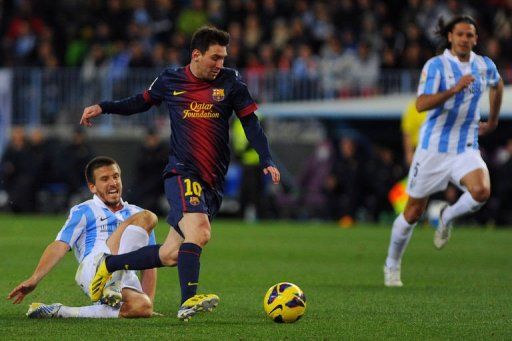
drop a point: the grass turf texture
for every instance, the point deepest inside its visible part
(460, 292)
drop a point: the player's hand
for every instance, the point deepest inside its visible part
(486, 127)
(22, 290)
(463, 83)
(89, 113)
(274, 173)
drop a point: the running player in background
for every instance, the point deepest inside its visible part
(104, 224)
(201, 98)
(450, 89)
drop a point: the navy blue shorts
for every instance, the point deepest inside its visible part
(186, 194)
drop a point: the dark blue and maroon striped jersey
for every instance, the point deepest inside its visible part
(199, 112)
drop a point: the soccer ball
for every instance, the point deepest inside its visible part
(284, 302)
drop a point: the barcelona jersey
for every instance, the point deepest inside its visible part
(199, 112)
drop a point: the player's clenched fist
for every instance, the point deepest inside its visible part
(464, 82)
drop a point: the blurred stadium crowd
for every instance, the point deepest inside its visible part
(345, 180)
(349, 41)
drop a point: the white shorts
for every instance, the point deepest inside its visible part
(87, 269)
(431, 172)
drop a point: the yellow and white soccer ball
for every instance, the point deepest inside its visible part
(284, 302)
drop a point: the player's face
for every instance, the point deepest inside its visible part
(208, 65)
(108, 185)
(463, 39)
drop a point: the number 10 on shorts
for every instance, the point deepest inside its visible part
(192, 188)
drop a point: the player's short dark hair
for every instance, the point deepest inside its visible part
(444, 28)
(97, 162)
(206, 36)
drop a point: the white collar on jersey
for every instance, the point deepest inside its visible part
(450, 56)
(100, 202)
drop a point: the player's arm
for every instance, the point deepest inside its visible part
(495, 99)
(426, 102)
(259, 142)
(148, 282)
(126, 106)
(50, 257)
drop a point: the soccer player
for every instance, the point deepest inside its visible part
(103, 224)
(200, 98)
(411, 122)
(450, 89)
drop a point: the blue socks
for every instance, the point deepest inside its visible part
(188, 269)
(144, 258)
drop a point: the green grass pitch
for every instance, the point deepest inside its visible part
(461, 292)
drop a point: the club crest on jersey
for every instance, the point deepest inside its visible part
(218, 94)
(194, 201)
(423, 77)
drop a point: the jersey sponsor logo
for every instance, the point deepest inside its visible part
(200, 110)
(194, 201)
(218, 94)
(423, 77)
(103, 218)
(178, 92)
(109, 228)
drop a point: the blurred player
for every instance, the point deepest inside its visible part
(450, 89)
(411, 122)
(200, 98)
(104, 224)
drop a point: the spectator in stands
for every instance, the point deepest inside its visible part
(345, 182)
(381, 173)
(74, 159)
(148, 186)
(305, 73)
(365, 71)
(95, 64)
(163, 18)
(49, 186)
(312, 196)
(193, 17)
(117, 16)
(503, 185)
(251, 187)
(138, 57)
(17, 173)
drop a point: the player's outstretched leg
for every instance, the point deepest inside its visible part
(196, 304)
(443, 232)
(100, 279)
(41, 310)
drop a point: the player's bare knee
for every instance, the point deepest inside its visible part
(204, 235)
(146, 219)
(413, 214)
(480, 193)
(150, 219)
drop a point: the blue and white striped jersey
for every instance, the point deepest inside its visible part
(91, 223)
(453, 126)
